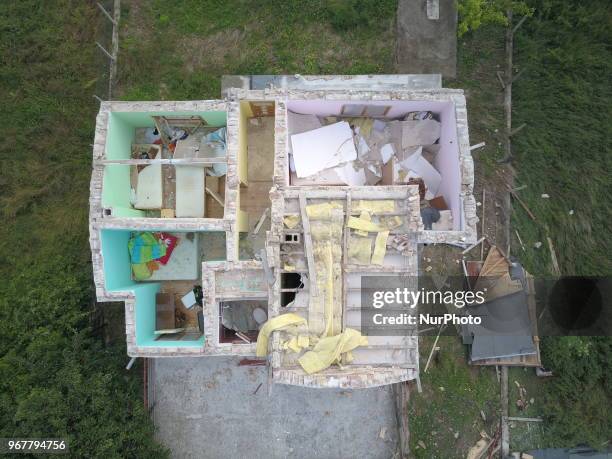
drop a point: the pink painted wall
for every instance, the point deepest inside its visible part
(447, 159)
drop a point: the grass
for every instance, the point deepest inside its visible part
(564, 97)
(446, 417)
(50, 68)
(182, 53)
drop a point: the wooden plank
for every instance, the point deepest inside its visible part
(308, 246)
(402, 397)
(215, 196)
(505, 431)
(553, 257)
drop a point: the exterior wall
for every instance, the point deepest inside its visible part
(232, 221)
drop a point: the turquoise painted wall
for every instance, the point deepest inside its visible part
(119, 139)
(118, 277)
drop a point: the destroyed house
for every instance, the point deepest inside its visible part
(212, 219)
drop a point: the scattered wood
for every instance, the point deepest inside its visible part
(255, 391)
(501, 79)
(478, 145)
(523, 205)
(553, 257)
(433, 348)
(520, 240)
(519, 188)
(252, 362)
(479, 241)
(482, 228)
(505, 431)
(520, 419)
(402, 396)
(261, 221)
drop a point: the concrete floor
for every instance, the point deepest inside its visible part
(205, 407)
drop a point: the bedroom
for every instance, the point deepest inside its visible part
(163, 269)
(168, 166)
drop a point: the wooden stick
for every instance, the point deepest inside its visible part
(261, 221)
(520, 240)
(505, 431)
(519, 188)
(518, 129)
(478, 145)
(501, 80)
(308, 246)
(433, 348)
(482, 228)
(515, 196)
(515, 418)
(216, 196)
(473, 245)
(553, 257)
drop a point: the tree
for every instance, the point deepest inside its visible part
(474, 13)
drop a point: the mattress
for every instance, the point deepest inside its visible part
(190, 197)
(149, 188)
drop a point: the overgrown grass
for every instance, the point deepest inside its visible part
(564, 97)
(56, 378)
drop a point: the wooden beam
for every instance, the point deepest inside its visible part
(308, 246)
(515, 418)
(475, 244)
(505, 431)
(553, 257)
(482, 228)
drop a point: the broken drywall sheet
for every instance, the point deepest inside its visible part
(415, 166)
(323, 148)
(420, 132)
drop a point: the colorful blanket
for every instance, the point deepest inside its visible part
(145, 246)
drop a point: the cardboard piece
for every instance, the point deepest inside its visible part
(323, 148)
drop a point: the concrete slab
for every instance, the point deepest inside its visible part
(205, 407)
(427, 37)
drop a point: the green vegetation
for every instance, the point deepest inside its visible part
(564, 97)
(446, 417)
(475, 13)
(56, 378)
(576, 404)
(59, 379)
(180, 52)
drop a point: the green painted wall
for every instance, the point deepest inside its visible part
(119, 139)
(118, 277)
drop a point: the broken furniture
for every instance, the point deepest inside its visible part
(508, 332)
(165, 314)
